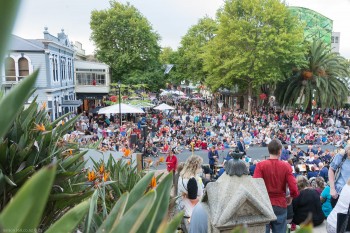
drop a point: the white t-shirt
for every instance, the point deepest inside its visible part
(184, 203)
(341, 206)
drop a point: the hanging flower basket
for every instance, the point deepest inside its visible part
(113, 98)
(263, 96)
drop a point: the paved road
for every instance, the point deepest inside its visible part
(254, 152)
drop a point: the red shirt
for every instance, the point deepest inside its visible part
(171, 162)
(277, 174)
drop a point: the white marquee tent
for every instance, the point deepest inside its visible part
(125, 108)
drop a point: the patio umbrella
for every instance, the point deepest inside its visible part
(125, 108)
(163, 107)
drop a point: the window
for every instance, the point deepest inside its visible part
(23, 67)
(88, 79)
(336, 40)
(10, 70)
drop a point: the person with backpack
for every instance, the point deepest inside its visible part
(188, 176)
(338, 174)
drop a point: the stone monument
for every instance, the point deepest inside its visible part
(237, 199)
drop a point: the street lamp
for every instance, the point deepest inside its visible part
(120, 106)
(144, 132)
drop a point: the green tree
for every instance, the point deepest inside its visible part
(169, 56)
(190, 59)
(257, 42)
(124, 40)
(323, 78)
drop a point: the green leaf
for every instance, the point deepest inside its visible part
(19, 177)
(15, 98)
(8, 11)
(115, 215)
(135, 216)
(72, 159)
(175, 222)
(140, 188)
(92, 209)
(69, 221)
(160, 208)
(25, 209)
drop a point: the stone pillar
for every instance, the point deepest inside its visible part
(243, 201)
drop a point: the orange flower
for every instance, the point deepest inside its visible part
(149, 161)
(40, 127)
(153, 182)
(105, 176)
(70, 151)
(161, 159)
(62, 123)
(91, 176)
(128, 162)
(102, 169)
(43, 106)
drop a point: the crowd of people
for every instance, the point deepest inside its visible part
(313, 185)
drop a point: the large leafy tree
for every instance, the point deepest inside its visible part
(125, 40)
(323, 78)
(257, 41)
(190, 59)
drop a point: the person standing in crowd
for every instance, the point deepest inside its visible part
(285, 153)
(277, 175)
(213, 156)
(171, 165)
(241, 145)
(338, 174)
(326, 201)
(342, 206)
(192, 168)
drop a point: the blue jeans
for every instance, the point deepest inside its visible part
(280, 224)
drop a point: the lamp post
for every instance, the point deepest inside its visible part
(120, 106)
(144, 131)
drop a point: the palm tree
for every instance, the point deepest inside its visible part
(323, 79)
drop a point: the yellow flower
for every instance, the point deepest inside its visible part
(153, 182)
(105, 176)
(43, 106)
(40, 127)
(102, 169)
(161, 159)
(91, 176)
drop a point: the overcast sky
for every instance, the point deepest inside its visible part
(170, 18)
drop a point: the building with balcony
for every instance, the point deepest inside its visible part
(53, 57)
(92, 80)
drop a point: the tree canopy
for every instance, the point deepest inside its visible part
(125, 41)
(190, 53)
(257, 42)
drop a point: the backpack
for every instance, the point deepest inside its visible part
(192, 188)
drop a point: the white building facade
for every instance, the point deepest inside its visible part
(92, 81)
(54, 58)
(335, 41)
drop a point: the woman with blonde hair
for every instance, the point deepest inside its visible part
(190, 186)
